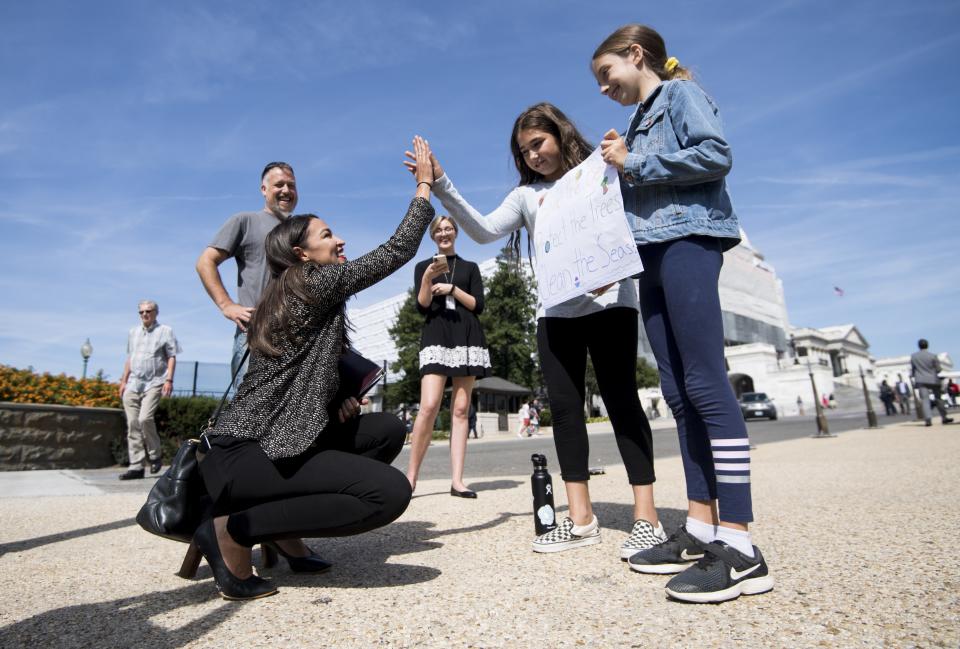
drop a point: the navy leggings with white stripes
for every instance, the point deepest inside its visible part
(680, 305)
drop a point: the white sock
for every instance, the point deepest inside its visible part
(703, 532)
(584, 530)
(738, 539)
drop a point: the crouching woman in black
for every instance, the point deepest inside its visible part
(284, 462)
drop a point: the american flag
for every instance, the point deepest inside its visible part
(838, 291)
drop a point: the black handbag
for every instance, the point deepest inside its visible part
(176, 504)
(174, 507)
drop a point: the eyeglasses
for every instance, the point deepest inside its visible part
(147, 311)
(444, 231)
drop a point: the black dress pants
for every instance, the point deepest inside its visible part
(343, 485)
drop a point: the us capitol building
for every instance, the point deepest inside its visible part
(764, 352)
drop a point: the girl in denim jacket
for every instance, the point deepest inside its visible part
(674, 158)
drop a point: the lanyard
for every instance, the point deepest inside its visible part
(453, 272)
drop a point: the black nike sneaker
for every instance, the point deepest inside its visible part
(675, 554)
(723, 573)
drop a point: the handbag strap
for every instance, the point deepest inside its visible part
(216, 413)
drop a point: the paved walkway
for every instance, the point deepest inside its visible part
(859, 531)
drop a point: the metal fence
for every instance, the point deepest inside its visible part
(194, 378)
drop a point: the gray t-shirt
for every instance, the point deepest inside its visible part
(242, 237)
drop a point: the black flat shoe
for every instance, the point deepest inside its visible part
(132, 474)
(311, 563)
(466, 493)
(155, 466)
(230, 587)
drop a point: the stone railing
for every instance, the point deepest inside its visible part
(37, 436)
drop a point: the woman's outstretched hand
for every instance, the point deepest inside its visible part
(423, 172)
(412, 165)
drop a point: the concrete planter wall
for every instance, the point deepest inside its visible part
(37, 436)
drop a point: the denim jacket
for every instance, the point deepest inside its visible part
(676, 163)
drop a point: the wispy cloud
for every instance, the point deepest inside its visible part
(839, 177)
(842, 84)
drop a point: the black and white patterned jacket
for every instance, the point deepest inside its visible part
(283, 401)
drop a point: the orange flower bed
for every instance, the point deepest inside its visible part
(26, 386)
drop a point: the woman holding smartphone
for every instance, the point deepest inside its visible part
(450, 296)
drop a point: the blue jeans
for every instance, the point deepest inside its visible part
(239, 348)
(680, 305)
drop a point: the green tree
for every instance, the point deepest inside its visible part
(508, 322)
(406, 335)
(647, 377)
(647, 374)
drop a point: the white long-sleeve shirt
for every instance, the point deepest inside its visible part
(519, 209)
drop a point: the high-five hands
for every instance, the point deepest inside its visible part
(613, 149)
(412, 165)
(423, 170)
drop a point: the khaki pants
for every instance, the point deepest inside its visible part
(141, 429)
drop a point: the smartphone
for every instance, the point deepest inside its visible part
(440, 261)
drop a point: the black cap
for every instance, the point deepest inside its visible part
(539, 460)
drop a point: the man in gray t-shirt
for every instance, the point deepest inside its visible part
(925, 369)
(242, 237)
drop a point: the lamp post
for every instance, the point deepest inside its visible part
(871, 415)
(822, 429)
(383, 400)
(86, 350)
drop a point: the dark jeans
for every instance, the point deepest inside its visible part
(344, 485)
(680, 304)
(888, 406)
(611, 338)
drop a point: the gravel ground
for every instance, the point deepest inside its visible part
(858, 531)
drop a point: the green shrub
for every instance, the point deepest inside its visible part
(546, 419)
(596, 420)
(443, 420)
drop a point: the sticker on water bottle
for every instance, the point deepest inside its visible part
(546, 515)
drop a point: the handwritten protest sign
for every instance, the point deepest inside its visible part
(582, 239)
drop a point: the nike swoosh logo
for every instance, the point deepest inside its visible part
(690, 557)
(734, 575)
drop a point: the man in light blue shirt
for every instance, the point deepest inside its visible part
(147, 375)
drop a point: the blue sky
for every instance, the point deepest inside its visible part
(129, 131)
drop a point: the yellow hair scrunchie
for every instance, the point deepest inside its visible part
(671, 64)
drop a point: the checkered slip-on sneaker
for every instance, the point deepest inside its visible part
(567, 536)
(674, 555)
(643, 536)
(723, 573)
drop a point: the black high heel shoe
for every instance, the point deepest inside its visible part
(230, 587)
(311, 563)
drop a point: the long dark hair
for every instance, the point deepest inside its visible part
(574, 149)
(271, 319)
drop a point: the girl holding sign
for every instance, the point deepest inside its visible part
(673, 159)
(546, 145)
